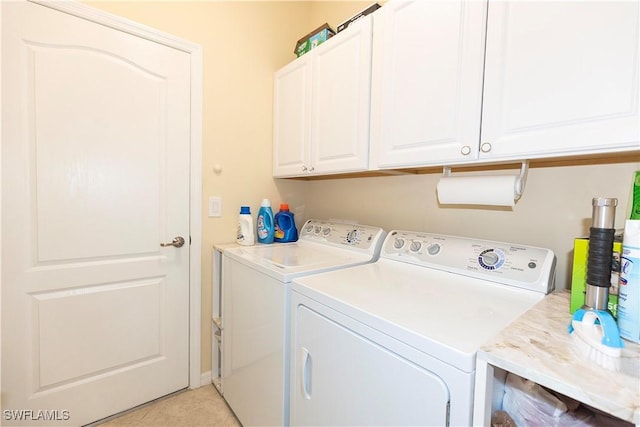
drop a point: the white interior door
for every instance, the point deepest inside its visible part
(95, 175)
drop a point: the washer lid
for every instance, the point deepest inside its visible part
(288, 260)
(448, 316)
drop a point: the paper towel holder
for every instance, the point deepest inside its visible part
(520, 182)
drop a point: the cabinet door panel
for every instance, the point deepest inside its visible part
(340, 109)
(560, 78)
(427, 82)
(292, 97)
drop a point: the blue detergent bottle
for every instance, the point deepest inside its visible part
(286, 230)
(265, 223)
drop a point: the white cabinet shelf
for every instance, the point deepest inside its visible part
(217, 331)
(537, 347)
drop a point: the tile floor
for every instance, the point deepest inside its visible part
(201, 407)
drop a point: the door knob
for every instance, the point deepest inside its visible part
(178, 242)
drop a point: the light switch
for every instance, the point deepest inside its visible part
(215, 207)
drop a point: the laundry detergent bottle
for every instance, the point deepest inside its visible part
(286, 230)
(245, 227)
(265, 226)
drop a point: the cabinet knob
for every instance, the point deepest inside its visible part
(311, 168)
(465, 150)
(485, 147)
(304, 168)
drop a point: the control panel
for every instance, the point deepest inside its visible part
(518, 265)
(363, 237)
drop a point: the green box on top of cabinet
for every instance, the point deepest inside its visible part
(314, 39)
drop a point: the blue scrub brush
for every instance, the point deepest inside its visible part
(596, 337)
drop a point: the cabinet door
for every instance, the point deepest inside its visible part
(291, 113)
(342, 378)
(341, 99)
(427, 82)
(561, 78)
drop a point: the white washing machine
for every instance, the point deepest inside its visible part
(256, 288)
(394, 342)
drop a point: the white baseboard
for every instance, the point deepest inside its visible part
(205, 379)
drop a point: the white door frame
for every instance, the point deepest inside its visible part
(195, 220)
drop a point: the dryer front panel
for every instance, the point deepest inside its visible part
(341, 377)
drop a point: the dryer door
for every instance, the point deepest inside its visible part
(340, 377)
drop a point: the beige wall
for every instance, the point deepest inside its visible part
(243, 44)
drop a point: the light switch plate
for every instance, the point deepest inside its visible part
(215, 207)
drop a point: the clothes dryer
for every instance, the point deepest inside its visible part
(256, 283)
(394, 342)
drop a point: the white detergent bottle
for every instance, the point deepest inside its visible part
(245, 227)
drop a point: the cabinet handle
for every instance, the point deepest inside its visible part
(304, 168)
(311, 168)
(305, 373)
(465, 150)
(485, 147)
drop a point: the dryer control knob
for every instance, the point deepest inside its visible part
(398, 243)
(415, 246)
(434, 248)
(490, 258)
(353, 236)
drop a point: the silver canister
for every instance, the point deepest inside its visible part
(600, 252)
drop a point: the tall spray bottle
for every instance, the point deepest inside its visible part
(265, 223)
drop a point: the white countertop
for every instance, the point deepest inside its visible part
(538, 347)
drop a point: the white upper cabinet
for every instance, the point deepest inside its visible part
(321, 107)
(427, 82)
(462, 81)
(292, 102)
(561, 78)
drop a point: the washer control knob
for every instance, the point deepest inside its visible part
(326, 231)
(415, 246)
(309, 228)
(398, 243)
(433, 249)
(317, 229)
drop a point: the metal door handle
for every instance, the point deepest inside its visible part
(178, 242)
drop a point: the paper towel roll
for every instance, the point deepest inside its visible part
(494, 190)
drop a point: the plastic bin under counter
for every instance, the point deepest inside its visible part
(538, 347)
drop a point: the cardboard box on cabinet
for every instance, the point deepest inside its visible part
(314, 39)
